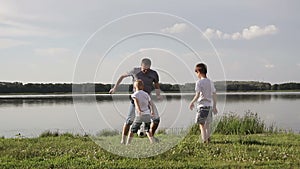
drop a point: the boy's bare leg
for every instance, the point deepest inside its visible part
(203, 132)
(207, 132)
(130, 136)
(125, 131)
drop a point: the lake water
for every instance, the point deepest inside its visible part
(30, 115)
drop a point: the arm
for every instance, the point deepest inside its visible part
(215, 103)
(137, 106)
(113, 90)
(151, 107)
(194, 100)
(157, 90)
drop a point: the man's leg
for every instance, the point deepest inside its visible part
(127, 124)
(149, 134)
(154, 126)
(129, 139)
(125, 131)
(155, 121)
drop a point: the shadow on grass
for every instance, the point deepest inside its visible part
(246, 142)
(260, 143)
(222, 142)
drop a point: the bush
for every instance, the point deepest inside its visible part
(231, 123)
(49, 133)
(250, 123)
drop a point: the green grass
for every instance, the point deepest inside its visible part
(238, 142)
(233, 151)
(140, 147)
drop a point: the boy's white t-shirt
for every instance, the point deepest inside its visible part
(206, 89)
(143, 99)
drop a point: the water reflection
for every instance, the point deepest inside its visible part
(40, 113)
(247, 97)
(32, 102)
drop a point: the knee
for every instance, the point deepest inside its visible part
(128, 122)
(156, 121)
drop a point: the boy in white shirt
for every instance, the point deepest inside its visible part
(143, 111)
(206, 101)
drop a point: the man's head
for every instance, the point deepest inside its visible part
(201, 68)
(145, 65)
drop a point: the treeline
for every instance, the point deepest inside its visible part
(258, 86)
(18, 87)
(234, 86)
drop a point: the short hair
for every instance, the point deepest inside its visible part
(201, 67)
(146, 62)
(139, 83)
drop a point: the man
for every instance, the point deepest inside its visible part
(149, 78)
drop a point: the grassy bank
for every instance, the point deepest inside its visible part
(234, 151)
(238, 142)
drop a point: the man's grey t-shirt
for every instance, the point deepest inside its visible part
(148, 78)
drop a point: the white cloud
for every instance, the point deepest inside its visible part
(298, 64)
(269, 66)
(52, 52)
(8, 43)
(256, 31)
(11, 28)
(14, 22)
(267, 63)
(176, 28)
(247, 33)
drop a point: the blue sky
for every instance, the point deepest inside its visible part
(51, 41)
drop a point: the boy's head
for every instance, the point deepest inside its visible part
(201, 68)
(138, 84)
(145, 65)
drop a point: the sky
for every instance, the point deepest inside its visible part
(96, 41)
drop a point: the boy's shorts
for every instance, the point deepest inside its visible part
(204, 114)
(138, 122)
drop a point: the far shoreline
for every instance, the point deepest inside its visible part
(70, 96)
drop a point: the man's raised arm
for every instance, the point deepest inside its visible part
(113, 90)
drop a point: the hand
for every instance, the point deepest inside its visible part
(152, 113)
(112, 90)
(139, 112)
(159, 97)
(215, 110)
(192, 106)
